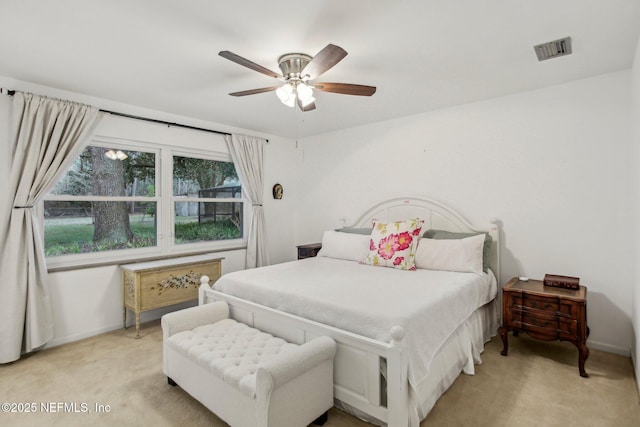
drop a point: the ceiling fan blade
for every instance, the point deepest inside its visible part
(254, 91)
(246, 63)
(324, 60)
(308, 107)
(345, 88)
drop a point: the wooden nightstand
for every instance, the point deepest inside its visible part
(309, 251)
(545, 313)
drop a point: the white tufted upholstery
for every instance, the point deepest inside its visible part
(247, 377)
(230, 350)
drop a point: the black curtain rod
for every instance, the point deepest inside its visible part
(131, 116)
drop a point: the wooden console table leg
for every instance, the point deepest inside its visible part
(505, 340)
(583, 354)
(137, 325)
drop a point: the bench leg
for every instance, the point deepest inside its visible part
(171, 382)
(321, 419)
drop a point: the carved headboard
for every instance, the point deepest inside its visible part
(435, 215)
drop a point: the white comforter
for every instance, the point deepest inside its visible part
(369, 300)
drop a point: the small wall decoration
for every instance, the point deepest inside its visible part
(277, 191)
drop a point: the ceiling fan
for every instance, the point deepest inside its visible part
(299, 72)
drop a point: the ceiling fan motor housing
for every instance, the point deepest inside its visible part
(292, 65)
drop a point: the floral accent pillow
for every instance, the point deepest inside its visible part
(394, 244)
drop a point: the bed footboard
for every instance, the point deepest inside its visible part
(358, 381)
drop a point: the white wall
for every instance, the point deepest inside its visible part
(88, 301)
(635, 349)
(280, 161)
(553, 165)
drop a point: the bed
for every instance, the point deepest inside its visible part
(403, 336)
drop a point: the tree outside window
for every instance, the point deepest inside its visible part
(107, 203)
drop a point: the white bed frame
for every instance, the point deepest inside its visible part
(357, 366)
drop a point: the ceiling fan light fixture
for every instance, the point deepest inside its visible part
(304, 92)
(115, 155)
(291, 102)
(307, 101)
(286, 95)
(284, 92)
(111, 155)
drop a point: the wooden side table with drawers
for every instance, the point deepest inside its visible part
(309, 250)
(545, 313)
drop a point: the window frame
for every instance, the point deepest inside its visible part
(165, 206)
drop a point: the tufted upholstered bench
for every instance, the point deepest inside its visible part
(245, 376)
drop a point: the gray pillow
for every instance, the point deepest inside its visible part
(443, 235)
(355, 230)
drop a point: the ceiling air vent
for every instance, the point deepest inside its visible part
(553, 49)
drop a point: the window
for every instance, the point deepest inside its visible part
(121, 202)
(102, 203)
(200, 188)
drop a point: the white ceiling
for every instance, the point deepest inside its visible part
(421, 54)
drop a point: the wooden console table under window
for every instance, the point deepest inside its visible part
(155, 284)
(546, 313)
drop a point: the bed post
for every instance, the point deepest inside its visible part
(495, 251)
(397, 380)
(202, 291)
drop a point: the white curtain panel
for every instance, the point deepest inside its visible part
(247, 153)
(45, 137)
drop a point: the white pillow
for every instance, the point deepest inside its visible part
(463, 255)
(349, 246)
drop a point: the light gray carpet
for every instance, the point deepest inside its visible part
(536, 385)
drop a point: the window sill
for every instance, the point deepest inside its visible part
(80, 265)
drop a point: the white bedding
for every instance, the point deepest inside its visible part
(369, 300)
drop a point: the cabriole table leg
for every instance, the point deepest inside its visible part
(505, 340)
(583, 354)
